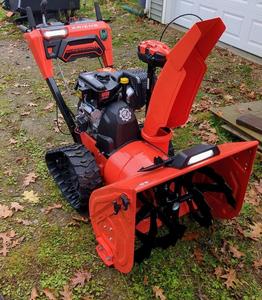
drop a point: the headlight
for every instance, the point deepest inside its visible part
(194, 155)
(55, 34)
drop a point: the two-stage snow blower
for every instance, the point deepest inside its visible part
(126, 174)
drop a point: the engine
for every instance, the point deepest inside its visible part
(107, 104)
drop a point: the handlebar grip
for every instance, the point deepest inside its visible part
(98, 12)
(23, 28)
(30, 17)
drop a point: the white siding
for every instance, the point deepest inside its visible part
(156, 10)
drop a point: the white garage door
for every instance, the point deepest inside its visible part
(243, 19)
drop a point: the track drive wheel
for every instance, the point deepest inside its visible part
(76, 173)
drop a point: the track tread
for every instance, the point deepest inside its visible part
(76, 173)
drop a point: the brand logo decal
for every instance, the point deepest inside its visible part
(125, 114)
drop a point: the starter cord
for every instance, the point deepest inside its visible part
(171, 22)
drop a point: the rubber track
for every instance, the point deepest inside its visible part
(76, 173)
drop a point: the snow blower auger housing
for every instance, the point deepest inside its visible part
(126, 173)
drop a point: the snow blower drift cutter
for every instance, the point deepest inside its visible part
(127, 175)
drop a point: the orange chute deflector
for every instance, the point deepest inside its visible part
(181, 77)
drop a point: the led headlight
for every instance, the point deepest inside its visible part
(55, 34)
(194, 155)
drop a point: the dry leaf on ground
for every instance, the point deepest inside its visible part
(208, 133)
(81, 219)
(252, 197)
(48, 209)
(159, 293)
(24, 222)
(218, 271)
(49, 294)
(191, 236)
(30, 178)
(198, 254)
(12, 141)
(16, 206)
(49, 106)
(231, 278)
(258, 263)
(258, 186)
(66, 293)
(236, 253)
(6, 238)
(80, 278)
(31, 197)
(5, 212)
(34, 294)
(255, 231)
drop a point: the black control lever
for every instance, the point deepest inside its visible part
(98, 12)
(43, 6)
(30, 17)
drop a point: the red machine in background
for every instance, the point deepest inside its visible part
(127, 174)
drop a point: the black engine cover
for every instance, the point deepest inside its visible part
(117, 127)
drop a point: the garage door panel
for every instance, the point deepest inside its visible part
(236, 24)
(207, 12)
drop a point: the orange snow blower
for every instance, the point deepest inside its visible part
(127, 175)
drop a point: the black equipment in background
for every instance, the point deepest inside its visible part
(54, 7)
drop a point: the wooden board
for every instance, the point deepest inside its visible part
(238, 134)
(229, 114)
(250, 121)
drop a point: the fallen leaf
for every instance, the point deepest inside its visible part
(73, 223)
(25, 113)
(16, 206)
(218, 271)
(258, 186)
(231, 279)
(6, 241)
(229, 98)
(208, 133)
(80, 278)
(16, 242)
(8, 172)
(24, 222)
(191, 236)
(159, 293)
(255, 231)
(252, 95)
(32, 104)
(31, 197)
(48, 209)
(252, 197)
(12, 141)
(81, 219)
(199, 256)
(5, 212)
(236, 253)
(49, 106)
(49, 294)
(34, 294)
(30, 178)
(215, 91)
(258, 263)
(145, 281)
(66, 293)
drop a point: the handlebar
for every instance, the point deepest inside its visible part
(30, 17)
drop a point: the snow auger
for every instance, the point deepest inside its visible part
(126, 174)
